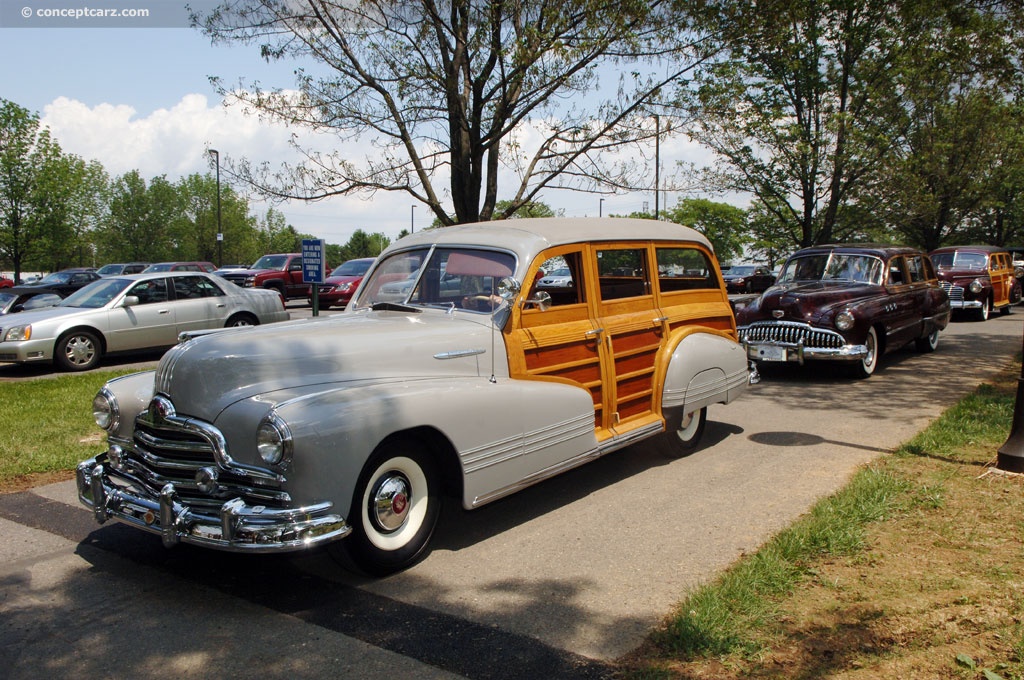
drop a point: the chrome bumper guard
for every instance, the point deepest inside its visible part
(237, 527)
(796, 351)
(965, 304)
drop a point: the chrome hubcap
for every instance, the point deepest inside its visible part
(79, 351)
(389, 502)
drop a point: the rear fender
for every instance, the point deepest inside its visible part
(704, 368)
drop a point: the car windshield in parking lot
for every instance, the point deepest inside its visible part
(96, 294)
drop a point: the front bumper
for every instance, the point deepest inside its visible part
(235, 527)
(797, 352)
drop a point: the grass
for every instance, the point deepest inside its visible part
(912, 570)
(46, 427)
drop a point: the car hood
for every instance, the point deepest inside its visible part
(38, 316)
(960, 274)
(805, 302)
(336, 280)
(206, 374)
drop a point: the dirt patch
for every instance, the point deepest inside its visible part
(26, 482)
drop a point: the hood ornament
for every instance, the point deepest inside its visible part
(778, 313)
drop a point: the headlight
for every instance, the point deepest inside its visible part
(17, 333)
(844, 320)
(343, 287)
(274, 440)
(105, 411)
(249, 281)
(976, 286)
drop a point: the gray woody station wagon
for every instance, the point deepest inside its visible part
(466, 380)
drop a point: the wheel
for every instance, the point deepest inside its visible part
(77, 351)
(1006, 309)
(683, 432)
(928, 343)
(395, 508)
(985, 311)
(241, 319)
(866, 366)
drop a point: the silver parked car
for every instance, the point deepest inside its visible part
(464, 380)
(133, 312)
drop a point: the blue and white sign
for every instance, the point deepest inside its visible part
(313, 263)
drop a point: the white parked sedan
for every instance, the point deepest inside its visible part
(135, 312)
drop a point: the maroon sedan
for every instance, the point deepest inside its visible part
(848, 303)
(337, 288)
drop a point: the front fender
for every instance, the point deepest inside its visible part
(501, 432)
(704, 368)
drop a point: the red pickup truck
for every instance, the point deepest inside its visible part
(281, 272)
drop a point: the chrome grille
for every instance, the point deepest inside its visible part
(955, 293)
(167, 453)
(791, 333)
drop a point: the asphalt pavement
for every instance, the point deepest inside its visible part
(556, 581)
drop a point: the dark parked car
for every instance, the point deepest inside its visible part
(120, 268)
(849, 303)
(337, 288)
(208, 267)
(67, 281)
(978, 279)
(748, 278)
(25, 298)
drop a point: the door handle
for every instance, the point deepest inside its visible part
(594, 333)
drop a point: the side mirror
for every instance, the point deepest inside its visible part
(541, 300)
(130, 301)
(508, 288)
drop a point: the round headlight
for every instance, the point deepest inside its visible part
(274, 440)
(844, 320)
(105, 411)
(976, 286)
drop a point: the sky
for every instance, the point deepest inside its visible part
(138, 97)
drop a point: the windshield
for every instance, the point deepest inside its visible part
(271, 262)
(352, 268)
(833, 267)
(57, 277)
(96, 294)
(741, 270)
(457, 277)
(109, 269)
(960, 260)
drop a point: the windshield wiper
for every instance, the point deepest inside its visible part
(393, 307)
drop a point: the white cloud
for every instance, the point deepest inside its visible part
(173, 142)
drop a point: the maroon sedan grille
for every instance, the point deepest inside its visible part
(955, 293)
(791, 333)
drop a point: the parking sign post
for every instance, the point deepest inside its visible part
(313, 268)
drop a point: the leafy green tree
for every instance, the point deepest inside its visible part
(723, 224)
(196, 227)
(275, 235)
(793, 109)
(137, 224)
(71, 201)
(446, 91)
(26, 152)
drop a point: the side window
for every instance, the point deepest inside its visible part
(915, 268)
(193, 287)
(685, 269)
(622, 273)
(151, 291)
(562, 279)
(896, 272)
(295, 265)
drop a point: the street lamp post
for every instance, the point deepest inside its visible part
(600, 207)
(220, 233)
(412, 219)
(657, 162)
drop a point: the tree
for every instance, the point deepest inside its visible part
(455, 89)
(71, 202)
(723, 224)
(137, 225)
(26, 152)
(195, 228)
(795, 109)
